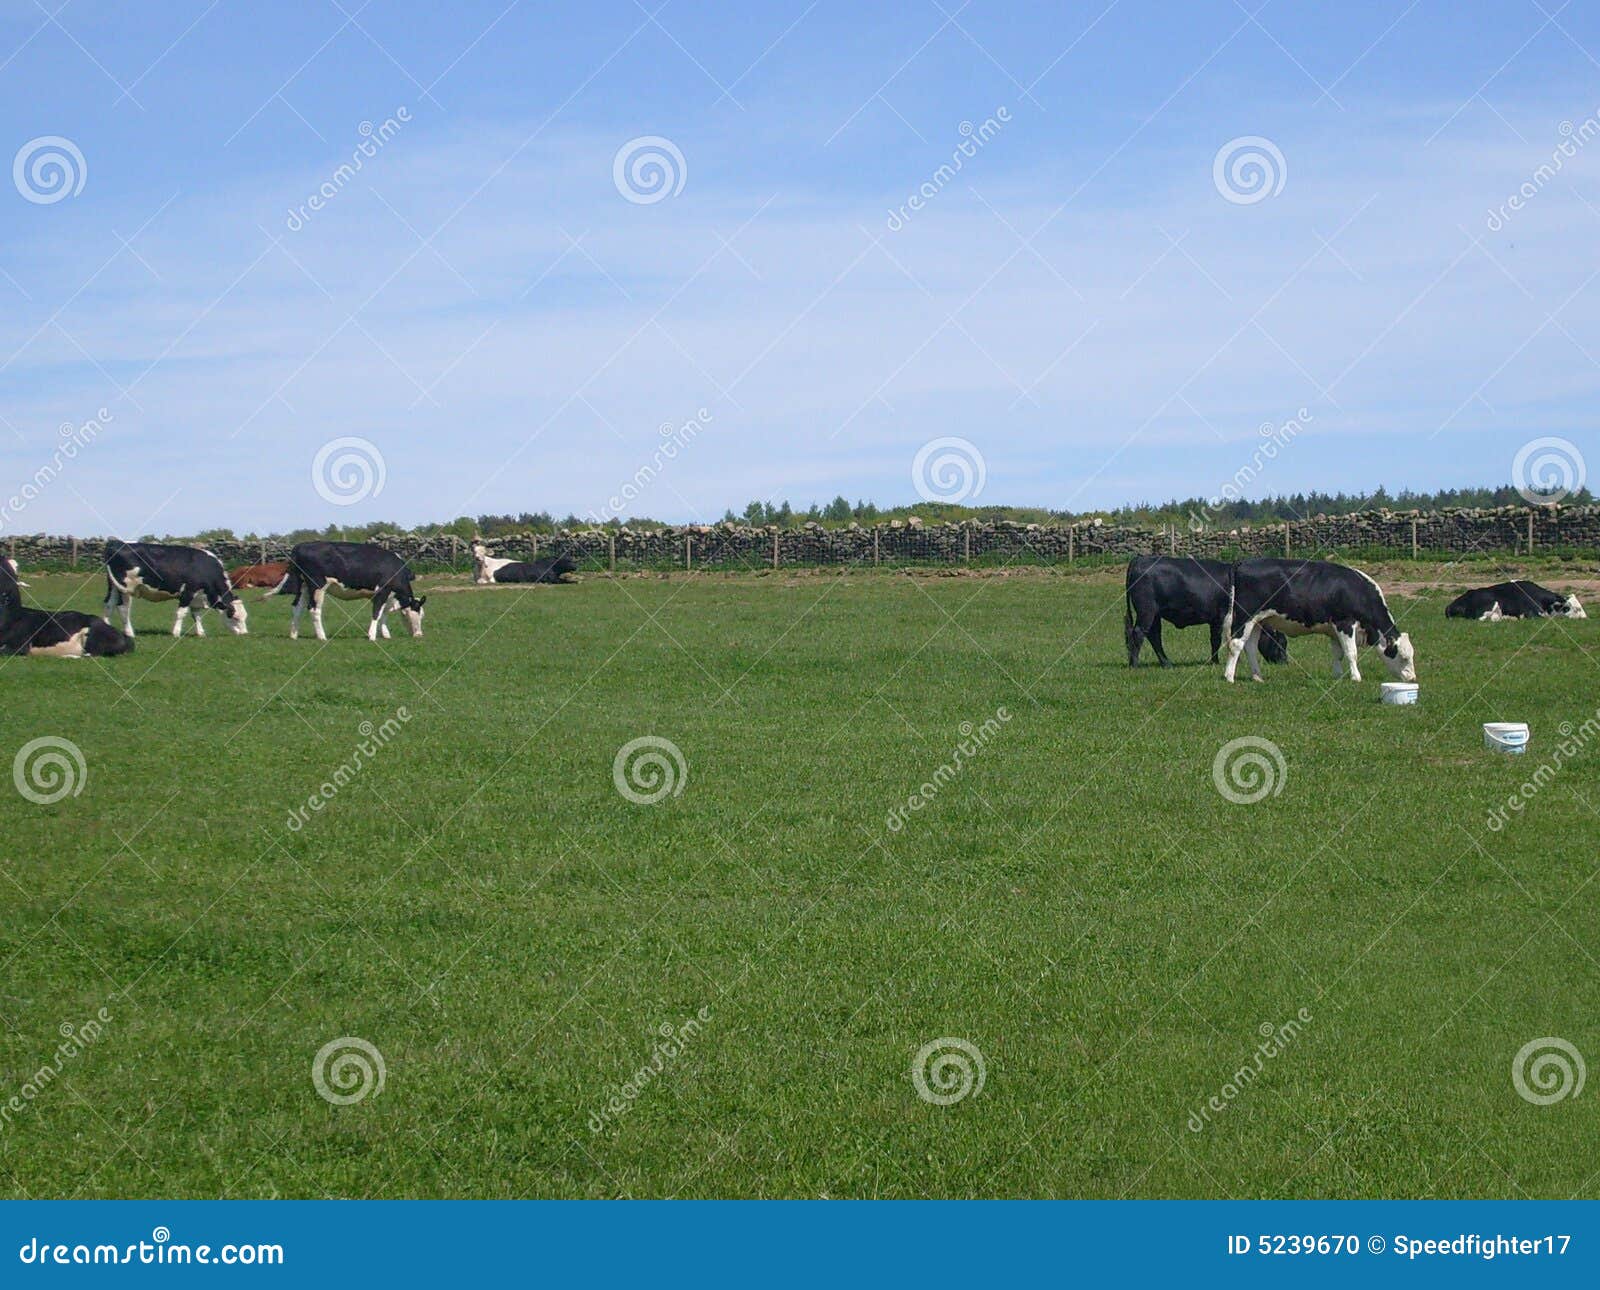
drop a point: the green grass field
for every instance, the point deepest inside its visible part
(1077, 902)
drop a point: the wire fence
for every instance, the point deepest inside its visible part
(1572, 532)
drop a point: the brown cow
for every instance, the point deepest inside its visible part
(259, 575)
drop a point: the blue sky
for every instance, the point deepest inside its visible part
(1081, 302)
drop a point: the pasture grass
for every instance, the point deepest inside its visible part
(1077, 901)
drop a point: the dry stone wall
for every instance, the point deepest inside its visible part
(733, 547)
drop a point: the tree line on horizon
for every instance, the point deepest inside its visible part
(841, 512)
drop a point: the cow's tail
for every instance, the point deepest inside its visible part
(290, 586)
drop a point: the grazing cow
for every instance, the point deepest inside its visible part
(258, 575)
(349, 571)
(1298, 597)
(1186, 592)
(488, 568)
(1514, 600)
(63, 634)
(157, 571)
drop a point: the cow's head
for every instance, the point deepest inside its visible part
(238, 617)
(412, 613)
(1399, 655)
(1494, 615)
(1572, 609)
(12, 565)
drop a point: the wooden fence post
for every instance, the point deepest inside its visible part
(774, 548)
(1070, 531)
(1413, 539)
(1286, 539)
(611, 551)
(966, 544)
(688, 552)
(74, 553)
(534, 538)
(1530, 530)
(874, 546)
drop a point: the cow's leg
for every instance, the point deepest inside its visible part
(301, 600)
(111, 600)
(1216, 639)
(125, 598)
(1347, 646)
(1337, 642)
(380, 606)
(318, 595)
(1235, 648)
(1153, 635)
(1135, 638)
(1252, 649)
(383, 627)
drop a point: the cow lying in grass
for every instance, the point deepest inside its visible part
(63, 634)
(490, 569)
(1513, 600)
(259, 575)
(1297, 597)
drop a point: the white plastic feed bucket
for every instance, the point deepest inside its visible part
(1506, 736)
(1399, 691)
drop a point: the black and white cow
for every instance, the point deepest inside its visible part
(62, 634)
(349, 571)
(1298, 597)
(1186, 592)
(1514, 600)
(488, 568)
(158, 571)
